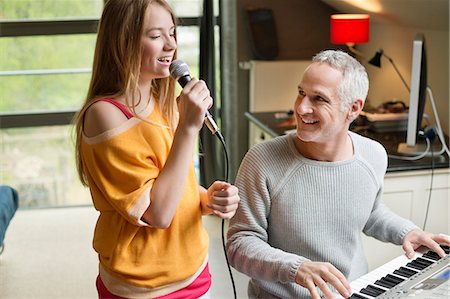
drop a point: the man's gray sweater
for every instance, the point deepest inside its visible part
(295, 209)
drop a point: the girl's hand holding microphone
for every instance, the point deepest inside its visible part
(193, 102)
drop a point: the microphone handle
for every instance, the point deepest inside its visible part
(210, 123)
(209, 120)
(183, 80)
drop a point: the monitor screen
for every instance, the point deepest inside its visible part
(417, 96)
(418, 89)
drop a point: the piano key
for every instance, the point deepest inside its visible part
(423, 261)
(369, 292)
(388, 282)
(415, 265)
(393, 278)
(375, 289)
(405, 272)
(432, 255)
(384, 283)
(357, 296)
(362, 283)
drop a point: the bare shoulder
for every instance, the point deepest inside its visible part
(101, 117)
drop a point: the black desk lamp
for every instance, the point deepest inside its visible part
(376, 61)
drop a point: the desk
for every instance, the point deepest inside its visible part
(407, 186)
(267, 122)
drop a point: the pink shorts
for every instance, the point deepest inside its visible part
(195, 290)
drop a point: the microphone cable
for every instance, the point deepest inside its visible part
(179, 71)
(227, 178)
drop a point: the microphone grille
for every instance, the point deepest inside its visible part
(178, 68)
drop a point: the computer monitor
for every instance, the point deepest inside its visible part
(417, 98)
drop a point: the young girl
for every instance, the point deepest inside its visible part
(135, 144)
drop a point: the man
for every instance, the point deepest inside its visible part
(307, 196)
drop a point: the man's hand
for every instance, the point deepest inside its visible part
(315, 274)
(417, 237)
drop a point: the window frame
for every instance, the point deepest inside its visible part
(52, 27)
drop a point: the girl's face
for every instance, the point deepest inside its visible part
(158, 43)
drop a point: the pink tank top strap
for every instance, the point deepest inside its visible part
(121, 106)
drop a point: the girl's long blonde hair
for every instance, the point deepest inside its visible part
(117, 64)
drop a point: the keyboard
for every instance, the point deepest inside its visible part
(424, 276)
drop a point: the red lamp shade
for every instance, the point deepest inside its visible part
(349, 28)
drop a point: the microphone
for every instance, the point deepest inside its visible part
(179, 71)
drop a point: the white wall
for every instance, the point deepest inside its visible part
(396, 41)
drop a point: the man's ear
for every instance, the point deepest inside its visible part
(355, 109)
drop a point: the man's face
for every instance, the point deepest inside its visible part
(318, 108)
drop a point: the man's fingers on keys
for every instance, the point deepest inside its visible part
(311, 286)
(322, 285)
(340, 283)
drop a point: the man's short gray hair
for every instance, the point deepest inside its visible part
(355, 82)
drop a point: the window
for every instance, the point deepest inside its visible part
(47, 48)
(23, 10)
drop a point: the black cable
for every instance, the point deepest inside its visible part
(227, 178)
(431, 186)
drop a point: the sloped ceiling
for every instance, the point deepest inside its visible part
(426, 14)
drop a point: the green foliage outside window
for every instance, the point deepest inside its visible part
(24, 92)
(22, 88)
(49, 9)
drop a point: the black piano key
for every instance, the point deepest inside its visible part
(395, 278)
(392, 280)
(415, 265)
(424, 261)
(375, 289)
(372, 291)
(446, 248)
(421, 263)
(402, 271)
(369, 292)
(357, 296)
(385, 284)
(409, 271)
(432, 255)
(389, 282)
